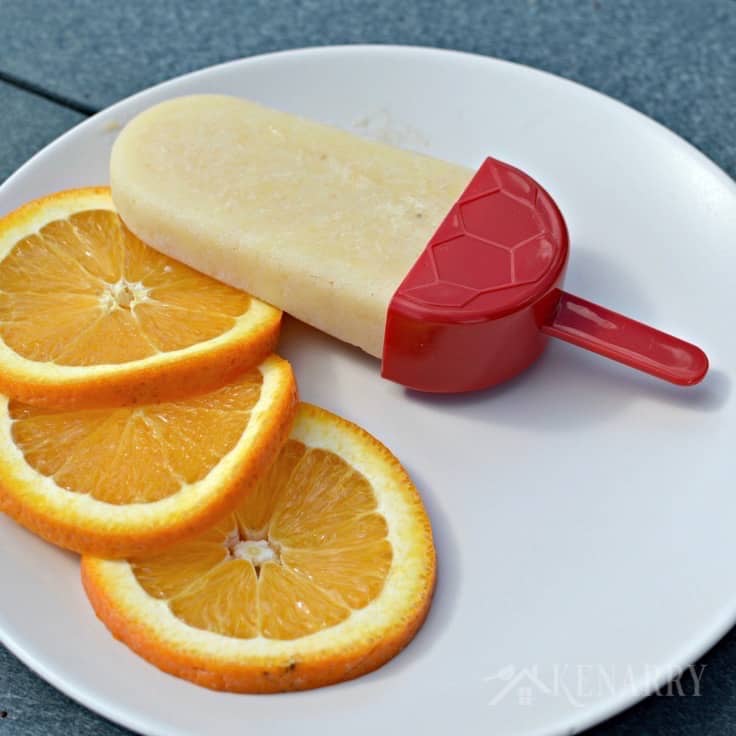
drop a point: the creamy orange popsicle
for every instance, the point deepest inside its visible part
(317, 221)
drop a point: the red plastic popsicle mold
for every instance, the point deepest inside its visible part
(482, 299)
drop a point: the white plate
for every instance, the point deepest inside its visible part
(584, 513)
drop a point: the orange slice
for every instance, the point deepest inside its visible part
(128, 480)
(322, 574)
(89, 314)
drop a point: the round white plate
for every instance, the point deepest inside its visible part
(584, 513)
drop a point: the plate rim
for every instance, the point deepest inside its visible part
(685, 145)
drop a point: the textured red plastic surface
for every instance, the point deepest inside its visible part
(501, 245)
(477, 306)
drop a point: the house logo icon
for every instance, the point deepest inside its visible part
(524, 682)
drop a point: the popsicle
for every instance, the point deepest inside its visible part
(452, 278)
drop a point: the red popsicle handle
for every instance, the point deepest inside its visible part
(625, 340)
(477, 306)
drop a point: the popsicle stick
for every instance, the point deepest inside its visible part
(626, 341)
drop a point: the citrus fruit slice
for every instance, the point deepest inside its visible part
(115, 482)
(89, 314)
(322, 574)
